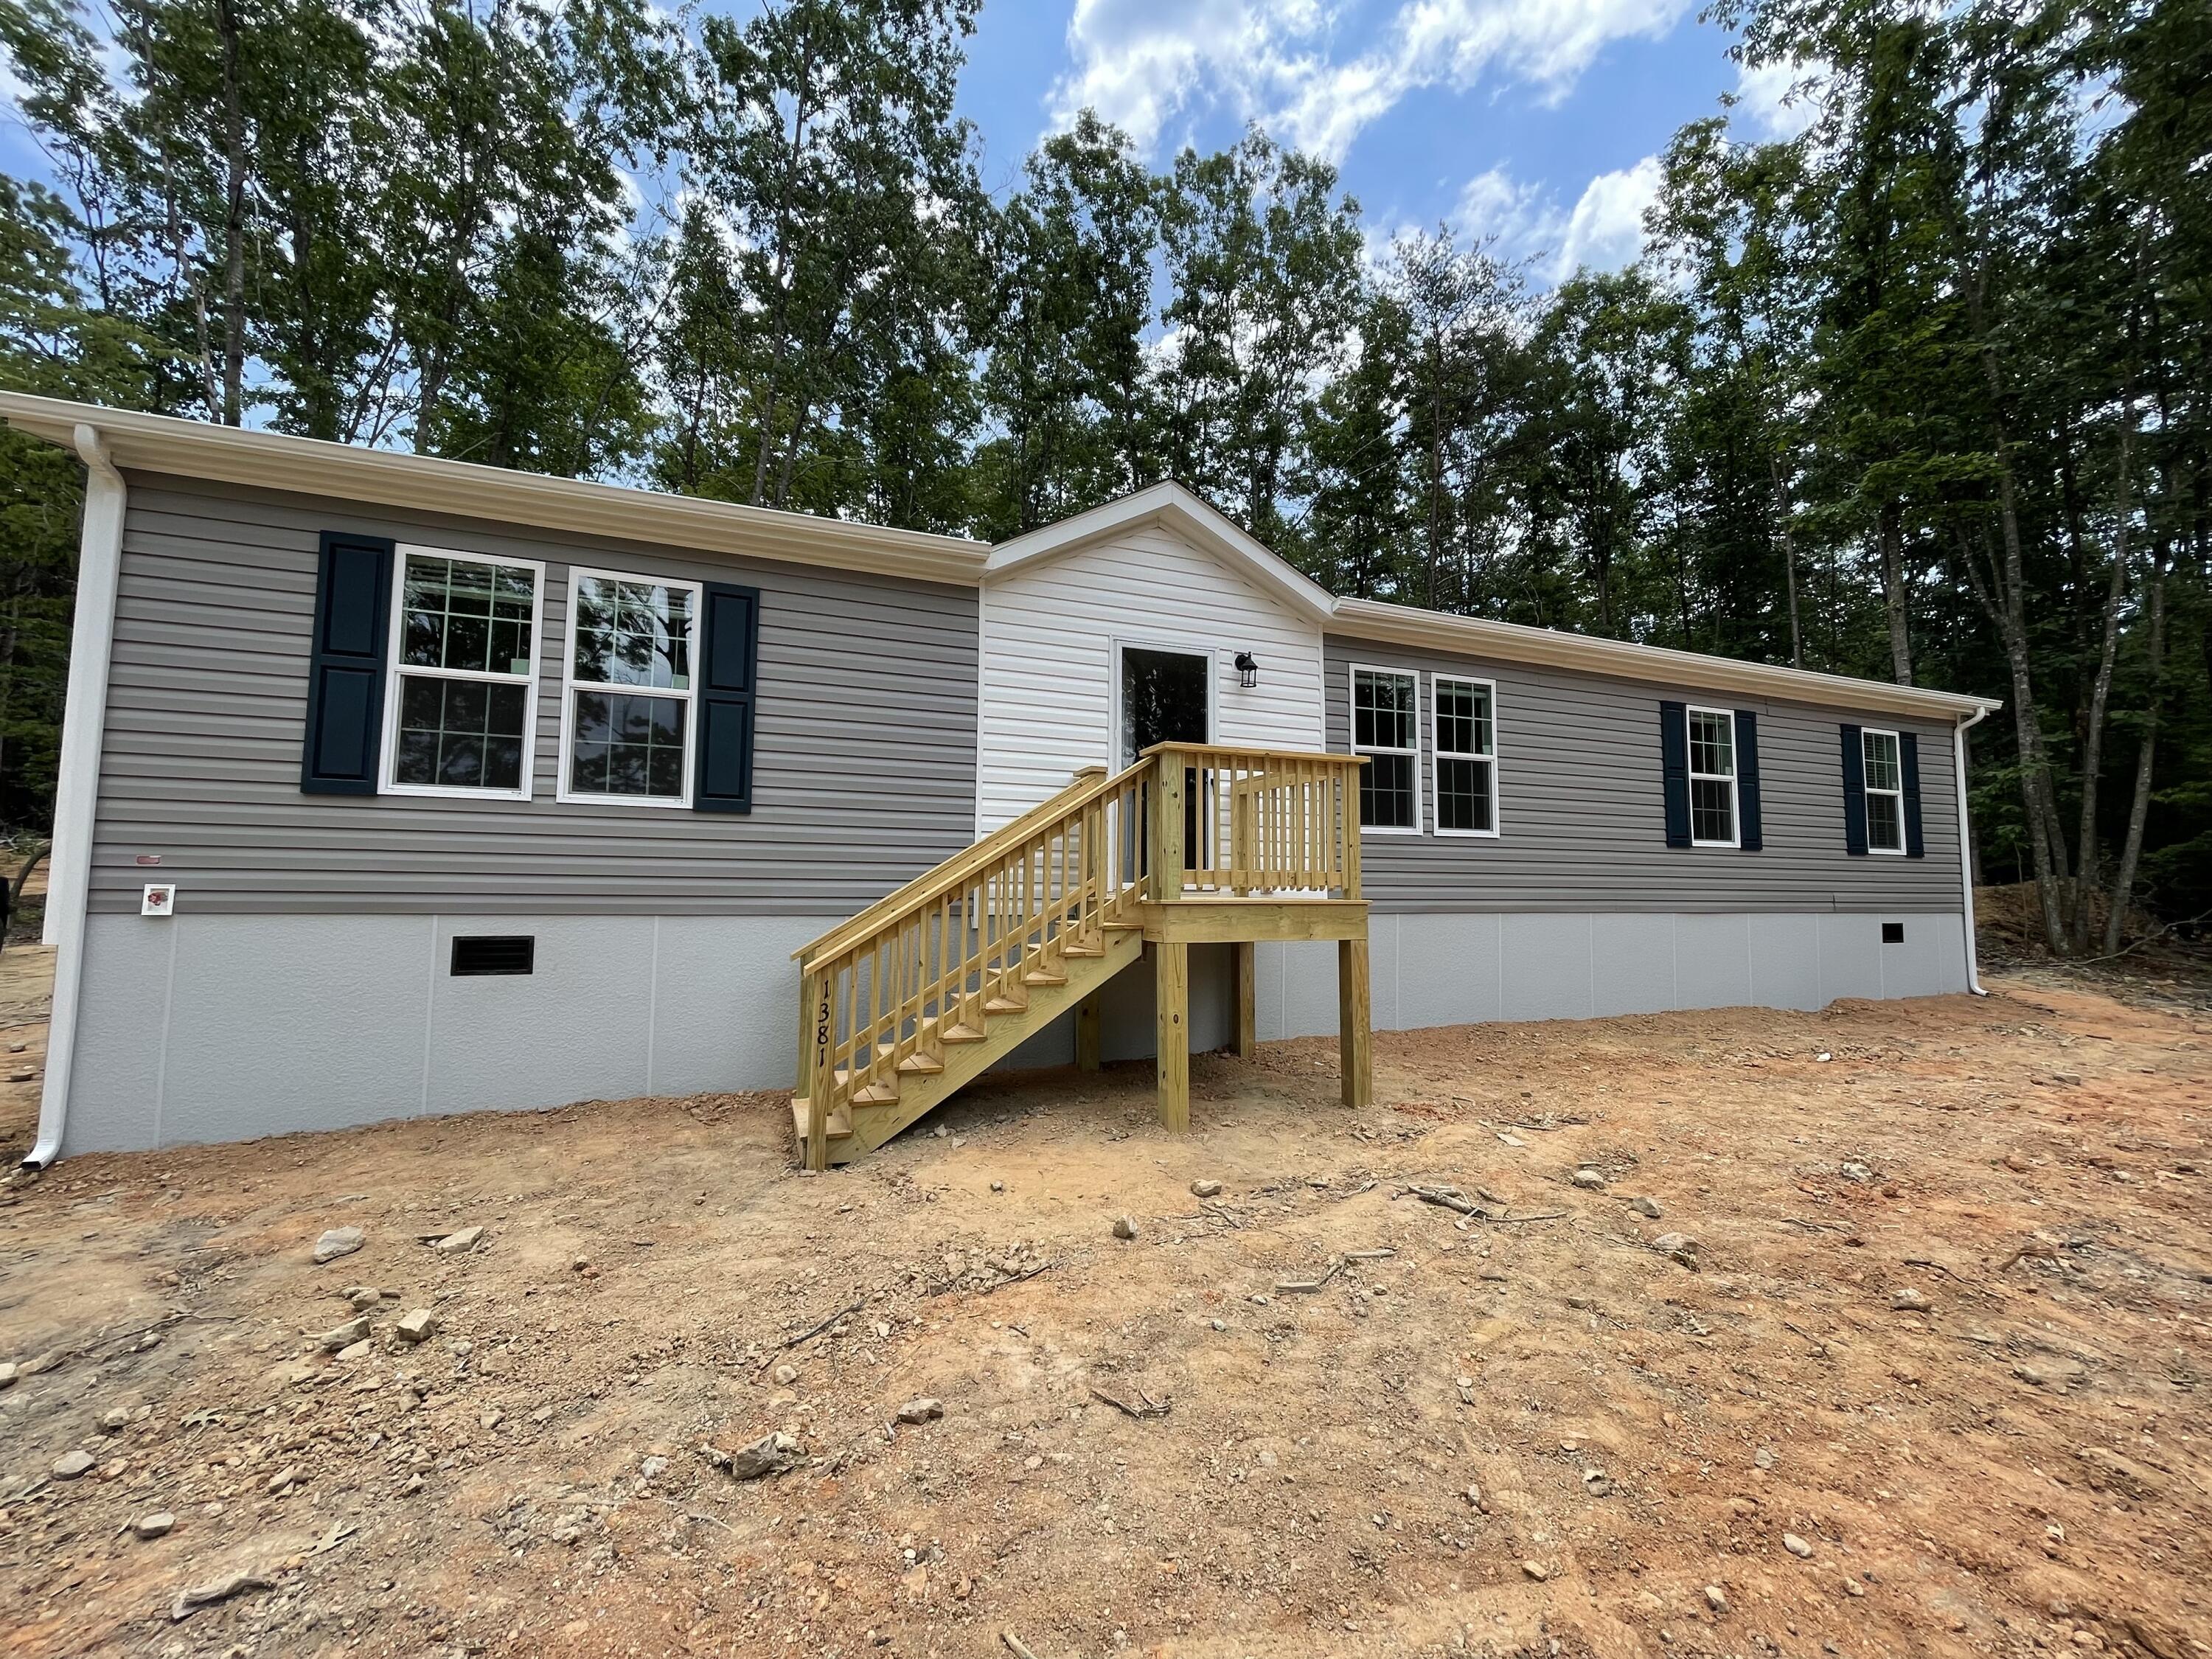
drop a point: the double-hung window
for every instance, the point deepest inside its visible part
(1466, 756)
(463, 675)
(626, 718)
(1386, 724)
(1712, 778)
(1885, 792)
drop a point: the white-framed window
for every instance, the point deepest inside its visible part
(1464, 715)
(1885, 792)
(460, 701)
(1712, 778)
(1386, 726)
(627, 689)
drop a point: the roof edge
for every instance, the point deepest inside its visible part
(1477, 636)
(197, 449)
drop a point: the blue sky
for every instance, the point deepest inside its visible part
(1536, 120)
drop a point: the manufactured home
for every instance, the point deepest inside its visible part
(393, 785)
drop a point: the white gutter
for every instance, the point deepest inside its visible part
(84, 716)
(1966, 850)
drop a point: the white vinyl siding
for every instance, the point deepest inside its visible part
(1050, 672)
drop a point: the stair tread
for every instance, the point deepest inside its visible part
(840, 1121)
(1004, 1006)
(926, 1065)
(962, 1034)
(1043, 977)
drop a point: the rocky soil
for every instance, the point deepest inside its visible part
(1878, 1331)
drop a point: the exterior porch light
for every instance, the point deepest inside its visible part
(1248, 669)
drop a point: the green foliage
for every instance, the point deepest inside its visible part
(1921, 393)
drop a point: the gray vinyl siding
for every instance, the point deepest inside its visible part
(1582, 818)
(865, 748)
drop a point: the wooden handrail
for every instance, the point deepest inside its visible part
(1089, 782)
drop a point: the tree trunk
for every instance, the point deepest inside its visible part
(2124, 880)
(1890, 533)
(2088, 873)
(1789, 558)
(233, 221)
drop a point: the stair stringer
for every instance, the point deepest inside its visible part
(1004, 1033)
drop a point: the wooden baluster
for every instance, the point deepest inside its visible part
(1167, 826)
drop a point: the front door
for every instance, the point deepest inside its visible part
(1165, 698)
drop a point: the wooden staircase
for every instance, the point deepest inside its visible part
(927, 989)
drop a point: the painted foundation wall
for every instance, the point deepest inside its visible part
(217, 1028)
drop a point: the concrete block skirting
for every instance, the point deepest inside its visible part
(226, 1027)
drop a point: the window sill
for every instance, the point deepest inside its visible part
(567, 798)
(434, 792)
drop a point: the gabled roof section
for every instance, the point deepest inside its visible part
(1172, 505)
(386, 477)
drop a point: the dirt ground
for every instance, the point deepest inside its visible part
(1527, 1431)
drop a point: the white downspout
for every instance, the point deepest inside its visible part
(84, 716)
(1966, 851)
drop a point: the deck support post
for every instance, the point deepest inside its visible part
(1172, 1010)
(1090, 1030)
(815, 1072)
(1248, 998)
(1355, 1041)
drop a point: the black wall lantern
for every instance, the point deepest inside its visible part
(1248, 669)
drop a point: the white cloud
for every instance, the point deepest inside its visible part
(1604, 230)
(1141, 63)
(1764, 102)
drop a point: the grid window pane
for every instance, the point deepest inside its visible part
(1463, 718)
(633, 633)
(1712, 810)
(623, 743)
(1383, 709)
(1386, 791)
(460, 734)
(1464, 796)
(1712, 746)
(1885, 823)
(464, 614)
(1882, 770)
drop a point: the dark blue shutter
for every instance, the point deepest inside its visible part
(1908, 755)
(729, 654)
(1751, 835)
(1855, 826)
(345, 675)
(1674, 769)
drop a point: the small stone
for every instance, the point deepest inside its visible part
(1536, 1569)
(1853, 1170)
(491, 1419)
(283, 1477)
(1205, 1189)
(785, 1375)
(411, 1484)
(455, 1243)
(1797, 1546)
(1764, 1457)
(115, 1419)
(771, 1454)
(1909, 1301)
(923, 1410)
(1475, 1495)
(1716, 1597)
(364, 1297)
(1218, 1324)
(1677, 1247)
(1582, 1304)
(1597, 1483)
(8, 1374)
(2070, 1079)
(1124, 1226)
(1647, 1207)
(156, 1525)
(419, 1326)
(354, 1350)
(2016, 1164)
(191, 1601)
(338, 1242)
(654, 1468)
(72, 1464)
(345, 1336)
(1590, 1180)
(997, 1186)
